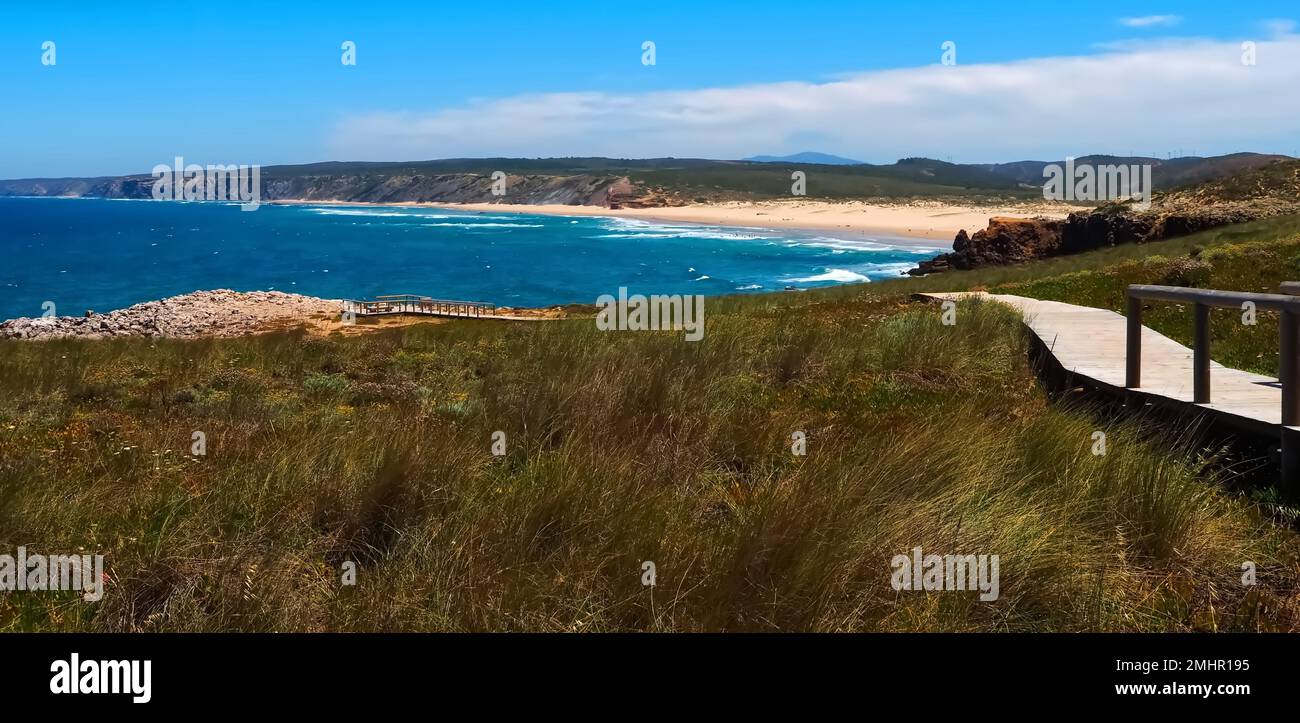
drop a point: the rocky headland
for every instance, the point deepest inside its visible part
(1273, 190)
(221, 312)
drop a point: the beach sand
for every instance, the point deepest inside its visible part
(922, 222)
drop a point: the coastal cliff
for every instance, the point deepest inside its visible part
(1014, 240)
(1271, 190)
(576, 190)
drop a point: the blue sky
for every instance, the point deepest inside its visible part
(135, 85)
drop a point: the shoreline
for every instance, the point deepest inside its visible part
(912, 224)
(222, 312)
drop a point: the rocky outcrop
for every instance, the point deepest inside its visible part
(1013, 241)
(1263, 191)
(201, 314)
(1085, 231)
(625, 194)
(1005, 241)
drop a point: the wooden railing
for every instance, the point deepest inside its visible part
(1202, 301)
(1287, 304)
(415, 304)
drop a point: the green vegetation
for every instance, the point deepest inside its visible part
(839, 182)
(1275, 181)
(624, 448)
(695, 178)
(691, 178)
(1256, 256)
(1230, 177)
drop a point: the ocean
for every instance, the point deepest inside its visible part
(102, 254)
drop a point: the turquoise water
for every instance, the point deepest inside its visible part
(107, 254)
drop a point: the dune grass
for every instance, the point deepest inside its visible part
(621, 448)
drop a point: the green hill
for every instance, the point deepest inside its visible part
(656, 181)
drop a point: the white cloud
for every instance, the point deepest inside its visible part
(1147, 21)
(1147, 99)
(1278, 27)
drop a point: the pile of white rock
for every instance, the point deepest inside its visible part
(200, 314)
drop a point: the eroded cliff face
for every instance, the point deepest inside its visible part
(1272, 189)
(1005, 241)
(1013, 241)
(450, 188)
(586, 190)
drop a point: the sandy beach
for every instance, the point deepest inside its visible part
(922, 221)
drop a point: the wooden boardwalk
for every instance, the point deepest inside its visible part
(398, 304)
(1090, 344)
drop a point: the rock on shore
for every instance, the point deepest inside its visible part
(200, 314)
(1005, 241)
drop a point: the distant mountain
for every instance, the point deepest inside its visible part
(824, 159)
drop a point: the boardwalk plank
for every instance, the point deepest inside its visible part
(1090, 343)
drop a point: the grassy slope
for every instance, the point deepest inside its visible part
(622, 448)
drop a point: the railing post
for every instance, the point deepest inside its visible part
(1133, 345)
(1289, 368)
(1289, 373)
(1201, 356)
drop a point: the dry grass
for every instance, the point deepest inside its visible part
(622, 448)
